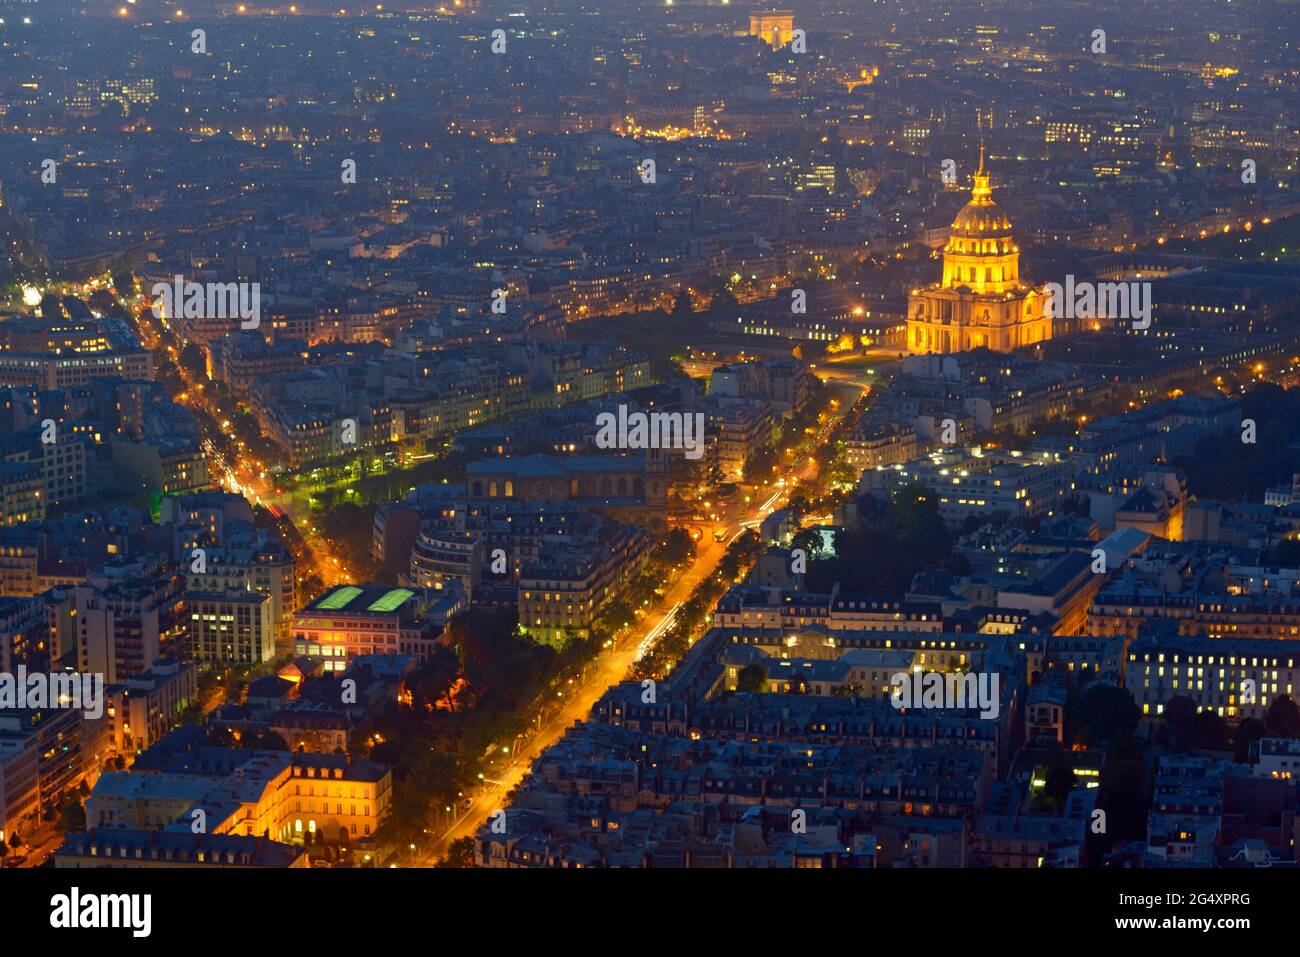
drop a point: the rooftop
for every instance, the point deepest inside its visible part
(354, 599)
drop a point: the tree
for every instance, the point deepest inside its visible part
(751, 678)
(51, 307)
(406, 820)
(460, 854)
(101, 301)
(191, 360)
(1224, 467)
(1208, 731)
(676, 548)
(1103, 712)
(761, 464)
(722, 296)
(810, 541)
(495, 659)
(617, 614)
(1283, 718)
(923, 528)
(1249, 731)
(72, 817)
(1179, 712)
(433, 681)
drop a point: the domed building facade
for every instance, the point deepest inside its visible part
(980, 303)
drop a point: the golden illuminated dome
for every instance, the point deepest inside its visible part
(980, 254)
(980, 303)
(981, 218)
(976, 220)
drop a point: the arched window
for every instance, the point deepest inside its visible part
(605, 488)
(478, 489)
(492, 489)
(622, 486)
(510, 489)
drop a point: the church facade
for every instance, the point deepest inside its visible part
(980, 302)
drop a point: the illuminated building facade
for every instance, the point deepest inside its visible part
(980, 302)
(776, 27)
(1233, 677)
(231, 627)
(352, 620)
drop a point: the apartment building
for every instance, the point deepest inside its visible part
(1234, 677)
(266, 568)
(149, 705)
(129, 614)
(230, 627)
(566, 589)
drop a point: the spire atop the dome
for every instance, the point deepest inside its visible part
(981, 193)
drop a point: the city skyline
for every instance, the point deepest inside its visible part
(462, 434)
